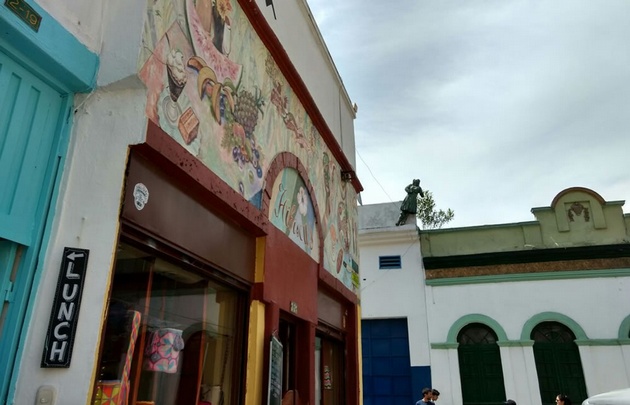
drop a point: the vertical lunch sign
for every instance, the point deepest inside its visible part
(65, 310)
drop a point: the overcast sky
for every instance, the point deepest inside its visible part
(495, 105)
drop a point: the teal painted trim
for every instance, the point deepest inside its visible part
(444, 346)
(475, 318)
(624, 329)
(553, 317)
(543, 276)
(598, 342)
(516, 343)
(37, 252)
(505, 343)
(53, 48)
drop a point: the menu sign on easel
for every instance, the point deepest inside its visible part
(274, 396)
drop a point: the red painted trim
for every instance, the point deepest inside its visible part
(200, 180)
(271, 41)
(352, 357)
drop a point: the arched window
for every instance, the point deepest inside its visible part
(558, 362)
(552, 332)
(476, 333)
(480, 367)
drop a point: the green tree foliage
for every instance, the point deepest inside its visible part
(429, 216)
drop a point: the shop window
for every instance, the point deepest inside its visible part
(170, 337)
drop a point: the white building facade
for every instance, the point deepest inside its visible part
(523, 311)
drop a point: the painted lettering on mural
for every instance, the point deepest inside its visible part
(286, 210)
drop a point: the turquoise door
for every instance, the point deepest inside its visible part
(31, 121)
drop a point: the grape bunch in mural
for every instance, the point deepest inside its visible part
(239, 134)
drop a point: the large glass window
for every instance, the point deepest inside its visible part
(171, 335)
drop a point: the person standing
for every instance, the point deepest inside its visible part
(563, 399)
(435, 394)
(427, 395)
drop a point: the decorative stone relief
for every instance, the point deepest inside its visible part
(578, 209)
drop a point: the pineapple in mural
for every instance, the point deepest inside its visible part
(246, 109)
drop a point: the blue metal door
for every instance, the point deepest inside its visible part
(31, 121)
(386, 362)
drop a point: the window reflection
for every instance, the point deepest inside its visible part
(169, 337)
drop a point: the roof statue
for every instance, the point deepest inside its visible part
(409, 205)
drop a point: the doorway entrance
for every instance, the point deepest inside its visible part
(31, 127)
(387, 376)
(329, 371)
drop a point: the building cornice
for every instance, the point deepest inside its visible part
(394, 234)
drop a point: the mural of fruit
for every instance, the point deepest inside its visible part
(246, 109)
(207, 84)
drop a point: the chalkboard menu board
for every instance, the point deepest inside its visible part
(274, 396)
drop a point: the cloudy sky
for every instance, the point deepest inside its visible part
(496, 105)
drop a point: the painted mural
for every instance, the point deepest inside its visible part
(214, 87)
(291, 210)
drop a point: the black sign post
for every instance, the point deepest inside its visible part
(65, 310)
(274, 390)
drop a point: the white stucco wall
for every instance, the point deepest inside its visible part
(396, 293)
(605, 368)
(511, 304)
(83, 19)
(87, 214)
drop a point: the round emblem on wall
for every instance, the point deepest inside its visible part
(140, 196)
